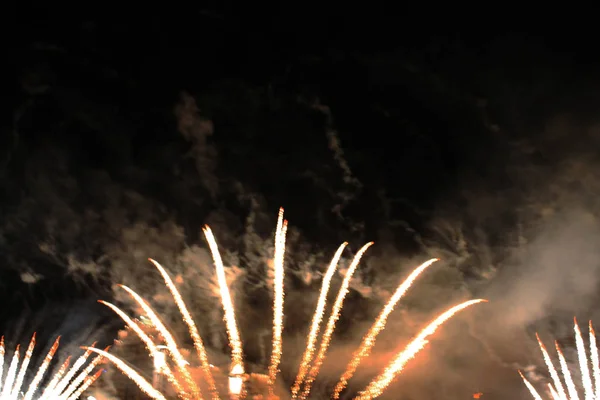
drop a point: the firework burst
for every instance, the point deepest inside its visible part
(311, 363)
(590, 380)
(66, 384)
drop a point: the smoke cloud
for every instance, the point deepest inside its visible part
(528, 243)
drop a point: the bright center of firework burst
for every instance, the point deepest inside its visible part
(160, 360)
(236, 379)
(186, 387)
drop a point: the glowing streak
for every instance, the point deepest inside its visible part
(553, 392)
(278, 260)
(135, 327)
(1, 359)
(21, 375)
(41, 370)
(86, 384)
(316, 321)
(60, 387)
(335, 314)
(56, 378)
(193, 330)
(143, 384)
(232, 330)
(532, 390)
(150, 346)
(83, 377)
(169, 340)
(10, 375)
(595, 360)
(237, 368)
(369, 340)
(583, 364)
(591, 387)
(567, 374)
(553, 373)
(377, 386)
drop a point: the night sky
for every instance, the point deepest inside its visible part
(123, 133)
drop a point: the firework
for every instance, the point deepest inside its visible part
(66, 384)
(187, 318)
(143, 384)
(335, 315)
(378, 385)
(553, 373)
(589, 382)
(309, 369)
(278, 259)
(316, 321)
(232, 331)
(379, 325)
(181, 363)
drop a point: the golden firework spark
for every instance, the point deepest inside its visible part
(378, 385)
(590, 387)
(309, 369)
(189, 321)
(87, 382)
(278, 259)
(379, 325)
(232, 331)
(59, 387)
(143, 384)
(170, 342)
(316, 321)
(333, 318)
(152, 348)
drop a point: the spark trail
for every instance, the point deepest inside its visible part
(232, 331)
(193, 330)
(316, 321)
(583, 364)
(169, 340)
(553, 373)
(379, 325)
(132, 374)
(378, 385)
(278, 259)
(59, 388)
(333, 318)
(590, 381)
(309, 368)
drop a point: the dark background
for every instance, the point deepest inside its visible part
(474, 141)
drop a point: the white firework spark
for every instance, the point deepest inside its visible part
(66, 384)
(590, 380)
